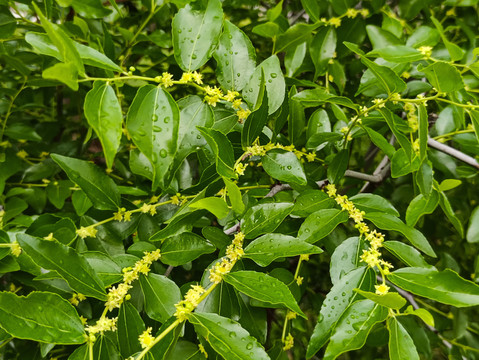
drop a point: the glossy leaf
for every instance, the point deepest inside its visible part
(264, 218)
(295, 35)
(153, 122)
(274, 82)
(354, 327)
(373, 203)
(103, 112)
(267, 248)
(472, 234)
(322, 49)
(420, 206)
(183, 248)
(447, 208)
(389, 222)
(214, 205)
(296, 119)
(284, 166)
(397, 54)
(41, 316)
(227, 337)
(161, 295)
(265, 288)
(346, 258)
(234, 194)
(446, 286)
(320, 223)
(443, 76)
(236, 58)
(391, 300)
(310, 201)
(130, 326)
(100, 189)
(401, 345)
(70, 265)
(332, 308)
(406, 253)
(257, 120)
(223, 151)
(196, 30)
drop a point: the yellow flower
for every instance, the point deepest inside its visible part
(299, 280)
(118, 216)
(230, 96)
(76, 298)
(49, 237)
(310, 156)
(379, 102)
(351, 13)
(364, 12)
(243, 114)
(290, 315)
(145, 208)
(102, 325)
(240, 168)
(237, 104)
(382, 289)
(146, 339)
(22, 154)
(202, 350)
(194, 294)
(304, 257)
(166, 79)
(426, 51)
(127, 216)
(186, 77)
(197, 77)
(88, 231)
(288, 342)
(256, 150)
(335, 21)
(15, 249)
(212, 100)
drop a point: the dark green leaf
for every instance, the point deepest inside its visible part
(401, 345)
(420, 206)
(183, 248)
(295, 35)
(256, 121)
(310, 201)
(390, 300)
(373, 203)
(472, 234)
(320, 223)
(346, 258)
(323, 49)
(161, 295)
(406, 253)
(338, 166)
(130, 326)
(223, 151)
(264, 218)
(284, 166)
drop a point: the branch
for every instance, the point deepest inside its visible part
(453, 152)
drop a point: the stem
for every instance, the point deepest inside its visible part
(453, 133)
(90, 350)
(158, 338)
(10, 106)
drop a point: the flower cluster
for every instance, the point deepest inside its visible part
(166, 80)
(372, 256)
(288, 342)
(146, 339)
(233, 253)
(102, 325)
(178, 199)
(426, 51)
(88, 231)
(122, 215)
(117, 294)
(190, 302)
(191, 77)
(15, 249)
(411, 116)
(148, 208)
(77, 298)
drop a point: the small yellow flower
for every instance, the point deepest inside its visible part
(88, 231)
(335, 21)
(186, 77)
(382, 289)
(102, 325)
(288, 342)
(351, 13)
(240, 168)
(166, 79)
(16, 249)
(230, 96)
(243, 114)
(290, 315)
(379, 102)
(237, 104)
(304, 257)
(145, 208)
(22, 154)
(49, 237)
(197, 78)
(202, 350)
(426, 51)
(212, 100)
(406, 75)
(127, 216)
(310, 156)
(364, 12)
(299, 280)
(146, 339)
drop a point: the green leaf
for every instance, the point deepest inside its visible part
(90, 8)
(391, 300)
(68, 53)
(81, 202)
(183, 248)
(267, 30)
(446, 286)
(130, 326)
(423, 131)
(309, 201)
(338, 166)
(449, 184)
(296, 119)
(447, 208)
(284, 166)
(43, 45)
(423, 314)
(234, 194)
(401, 165)
(216, 206)
(100, 189)
(323, 49)
(103, 112)
(406, 253)
(394, 125)
(346, 258)
(227, 337)
(70, 265)
(256, 121)
(380, 142)
(295, 35)
(389, 222)
(319, 96)
(273, 13)
(107, 270)
(274, 82)
(397, 54)
(443, 76)
(267, 248)
(318, 139)
(373, 203)
(223, 151)
(354, 327)
(161, 295)
(332, 309)
(196, 30)
(472, 234)
(425, 179)
(312, 8)
(423, 36)
(401, 345)
(420, 206)
(152, 122)
(320, 223)
(265, 288)
(294, 58)
(454, 50)
(65, 73)
(236, 58)
(264, 218)
(41, 316)
(381, 38)
(58, 192)
(474, 115)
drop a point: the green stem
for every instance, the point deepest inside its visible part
(10, 106)
(453, 133)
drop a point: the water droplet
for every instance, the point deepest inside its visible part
(270, 81)
(163, 153)
(306, 230)
(335, 298)
(198, 36)
(157, 129)
(289, 167)
(343, 294)
(198, 137)
(273, 75)
(154, 117)
(191, 41)
(166, 120)
(190, 30)
(232, 334)
(249, 346)
(179, 31)
(238, 74)
(349, 331)
(193, 56)
(332, 307)
(230, 36)
(227, 63)
(141, 132)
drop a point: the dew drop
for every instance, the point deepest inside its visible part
(166, 120)
(193, 56)
(232, 334)
(163, 153)
(230, 36)
(289, 167)
(238, 74)
(157, 129)
(273, 75)
(179, 31)
(270, 81)
(249, 346)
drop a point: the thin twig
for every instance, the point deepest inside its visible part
(453, 152)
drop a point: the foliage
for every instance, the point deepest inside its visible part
(239, 180)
